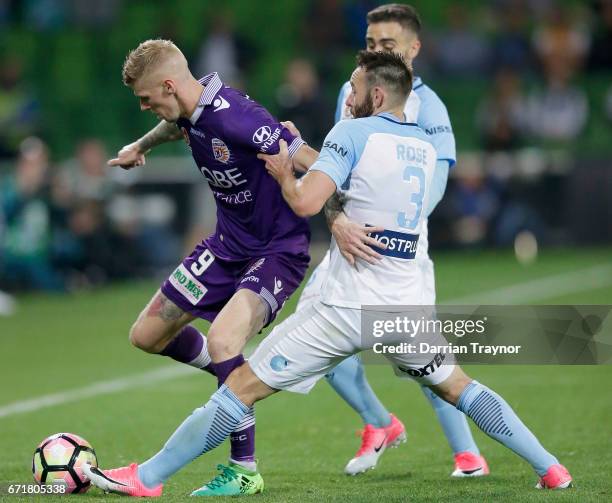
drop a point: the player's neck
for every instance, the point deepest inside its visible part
(397, 112)
(189, 100)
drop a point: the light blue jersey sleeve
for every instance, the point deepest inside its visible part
(434, 120)
(340, 101)
(341, 150)
(438, 184)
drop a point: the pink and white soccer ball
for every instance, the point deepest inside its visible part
(58, 460)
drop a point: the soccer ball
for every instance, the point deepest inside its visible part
(58, 460)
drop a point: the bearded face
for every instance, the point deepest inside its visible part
(365, 108)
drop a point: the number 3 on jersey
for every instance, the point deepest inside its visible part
(413, 175)
(203, 263)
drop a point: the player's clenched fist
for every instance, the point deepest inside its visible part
(129, 156)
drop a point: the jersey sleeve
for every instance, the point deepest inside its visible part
(342, 95)
(339, 153)
(434, 120)
(256, 128)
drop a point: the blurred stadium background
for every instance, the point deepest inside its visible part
(527, 84)
(529, 91)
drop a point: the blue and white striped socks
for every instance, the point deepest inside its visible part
(206, 428)
(495, 417)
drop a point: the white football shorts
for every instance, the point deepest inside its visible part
(312, 341)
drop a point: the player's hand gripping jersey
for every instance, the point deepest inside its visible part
(385, 169)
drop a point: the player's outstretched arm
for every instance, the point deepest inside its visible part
(133, 155)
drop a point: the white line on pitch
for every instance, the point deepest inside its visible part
(100, 388)
(549, 286)
(538, 289)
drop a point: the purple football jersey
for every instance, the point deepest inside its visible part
(225, 134)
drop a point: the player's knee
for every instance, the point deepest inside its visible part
(141, 338)
(451, 389)
(220, 348)
(447, 395)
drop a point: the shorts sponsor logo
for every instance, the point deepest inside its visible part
(187, 285)
(428, 369)
(256, 266)
(253, 279)
(220, 151)
(278, 363)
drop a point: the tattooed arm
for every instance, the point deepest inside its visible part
(134, 154)
(353, 240)
(162, 133)
(333, 208)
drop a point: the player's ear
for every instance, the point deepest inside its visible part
(413, 50)
(378, 97)
(169, 86)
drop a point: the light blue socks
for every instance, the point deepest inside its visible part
(496, 418)
(202, 431)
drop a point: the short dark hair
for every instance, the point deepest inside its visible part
(386, 69)
(405, 15)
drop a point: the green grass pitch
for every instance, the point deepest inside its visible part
(59, 343)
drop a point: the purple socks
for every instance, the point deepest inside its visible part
(223, 369)
(189, 346)
(242, 439)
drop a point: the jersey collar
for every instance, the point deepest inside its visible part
(416, 82)
(392, 118)
(212, 85)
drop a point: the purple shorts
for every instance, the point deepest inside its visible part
(202, 284)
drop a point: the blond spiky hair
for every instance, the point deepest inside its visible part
(146, 56)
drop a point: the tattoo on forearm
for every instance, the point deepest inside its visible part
(165, 309)
(333, 207)
(163, 132)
